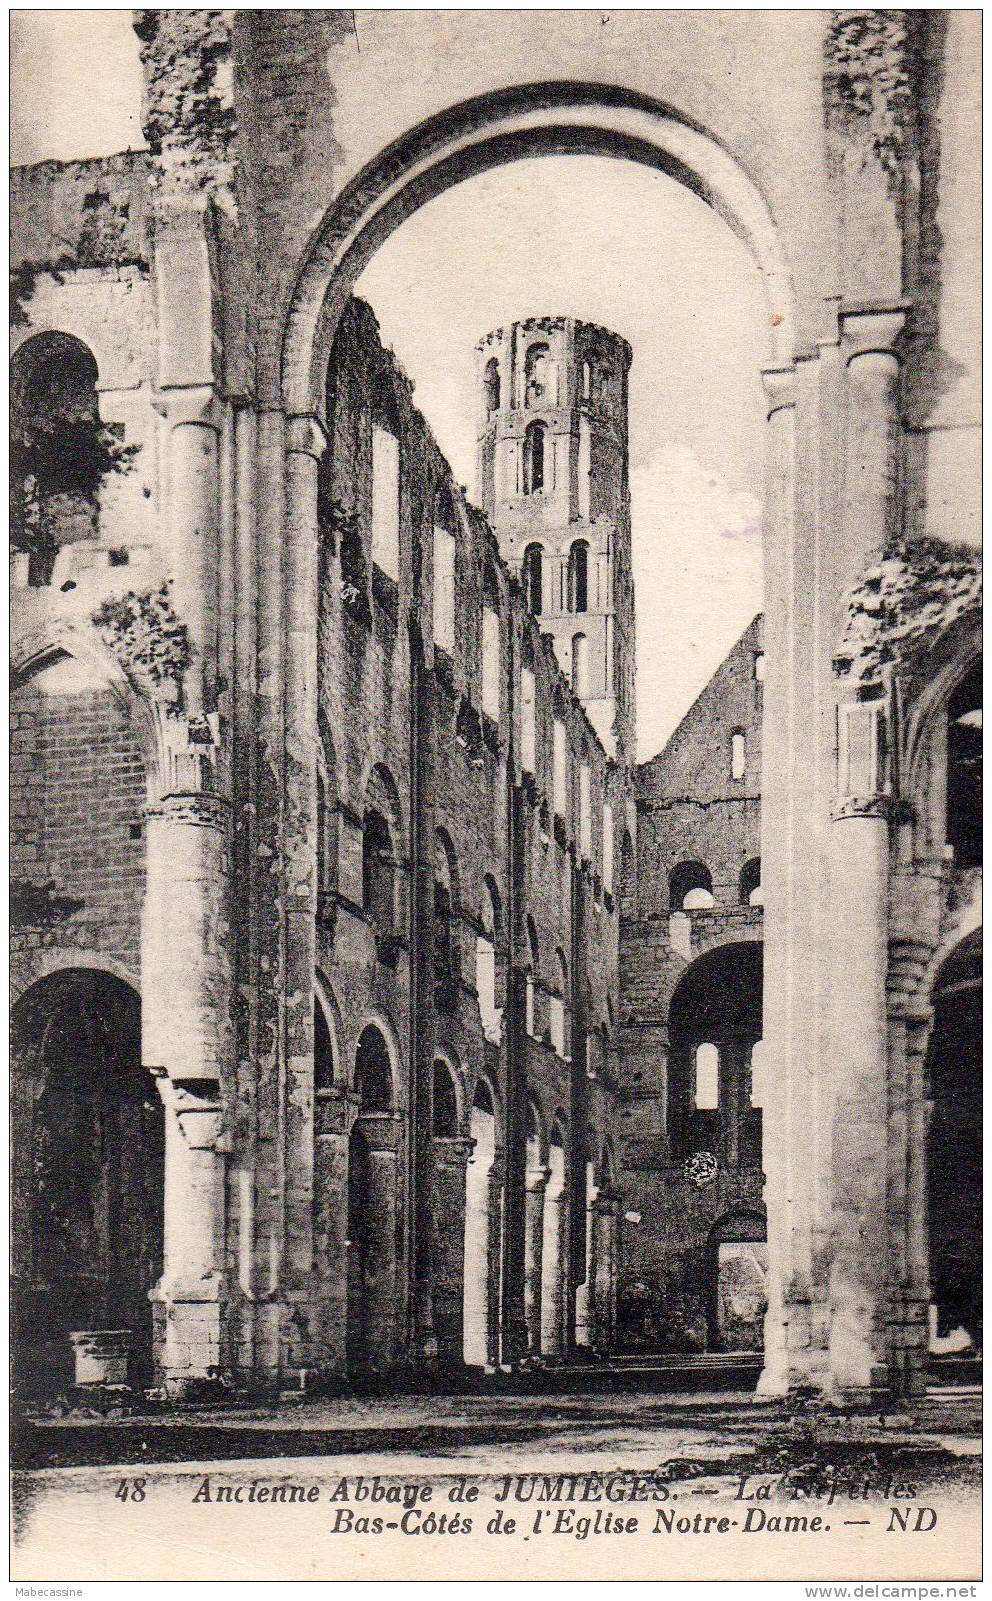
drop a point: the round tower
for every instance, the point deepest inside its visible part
(553, 481)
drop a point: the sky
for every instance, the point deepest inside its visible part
(604, 240)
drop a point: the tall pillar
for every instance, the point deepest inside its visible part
(605, 1287)
(554, 1252)
(496, 1257)
(787, 1319)
(451, 1157)
(585, 1294)
(333, 1115)
(860, 1260)
(383, 1316)
(537, 1180)
(187, 1042)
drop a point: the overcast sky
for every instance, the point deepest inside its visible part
(604, 240)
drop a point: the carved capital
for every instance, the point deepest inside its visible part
(872, 331)
(201, 809)
(779, 386)
(847, 806)
(305, 435)
(192, 406)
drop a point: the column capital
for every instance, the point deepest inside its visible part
(200, 808)
(872, 330)
(191, 405)
(537, 1178)
(843, 807)
(305, 435)
(780, 386)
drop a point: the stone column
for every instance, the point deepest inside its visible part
(187, 1042)
(789, 1273)
(871, 477)
(859, 882)
(607, 1271)
(190, 533)
(494, 1219)
(451, 1157)
(537, 1179)
(553, 1261)
(189, 1333)
(384, 1317)
(333, 1115)
(585, 1293)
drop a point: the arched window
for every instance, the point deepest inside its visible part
(386, 501)
(492, 386)
(559, 773)
(738, 754)
(445, 950)
(585, 811)
(445, 1102)
(586, 380)
(59, 453)
(491, 654)
(608, 848)
(964, 771)
(557, 1008)
(535, 441)
(690, 888)
(578, 576)
(532, 577)
(580, 665)
(707, 1080)
(323, 1053)
(759, 667)
(444, 570)
(528, 720)
(537, 375)
(373, 1071)
(531, 979)
(750, 883)
(378, 872)
(485, 963)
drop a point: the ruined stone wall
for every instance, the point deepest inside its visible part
(77, 823)
(689, 809)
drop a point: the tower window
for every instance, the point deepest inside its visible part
(759, 667)
(537, 374)
(492, 386)
(585, 812)
(737, 755)
(578, 576)
(586, 380)
(608, 848)
(535, 441)
(532, 573)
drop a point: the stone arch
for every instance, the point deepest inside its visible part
(327, 1035)
(736, 1279)
(447, 1096)
(488, 131)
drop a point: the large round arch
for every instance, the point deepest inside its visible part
(488, 131)
(954, 1152)
(88, 1147)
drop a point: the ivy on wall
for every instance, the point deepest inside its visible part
(868, 81)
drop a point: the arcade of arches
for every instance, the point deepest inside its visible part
(342, 1047)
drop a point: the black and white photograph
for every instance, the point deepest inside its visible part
(495, 797)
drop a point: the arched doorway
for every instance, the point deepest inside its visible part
(88, 1169)
(954, 1153)
(738, 1269)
